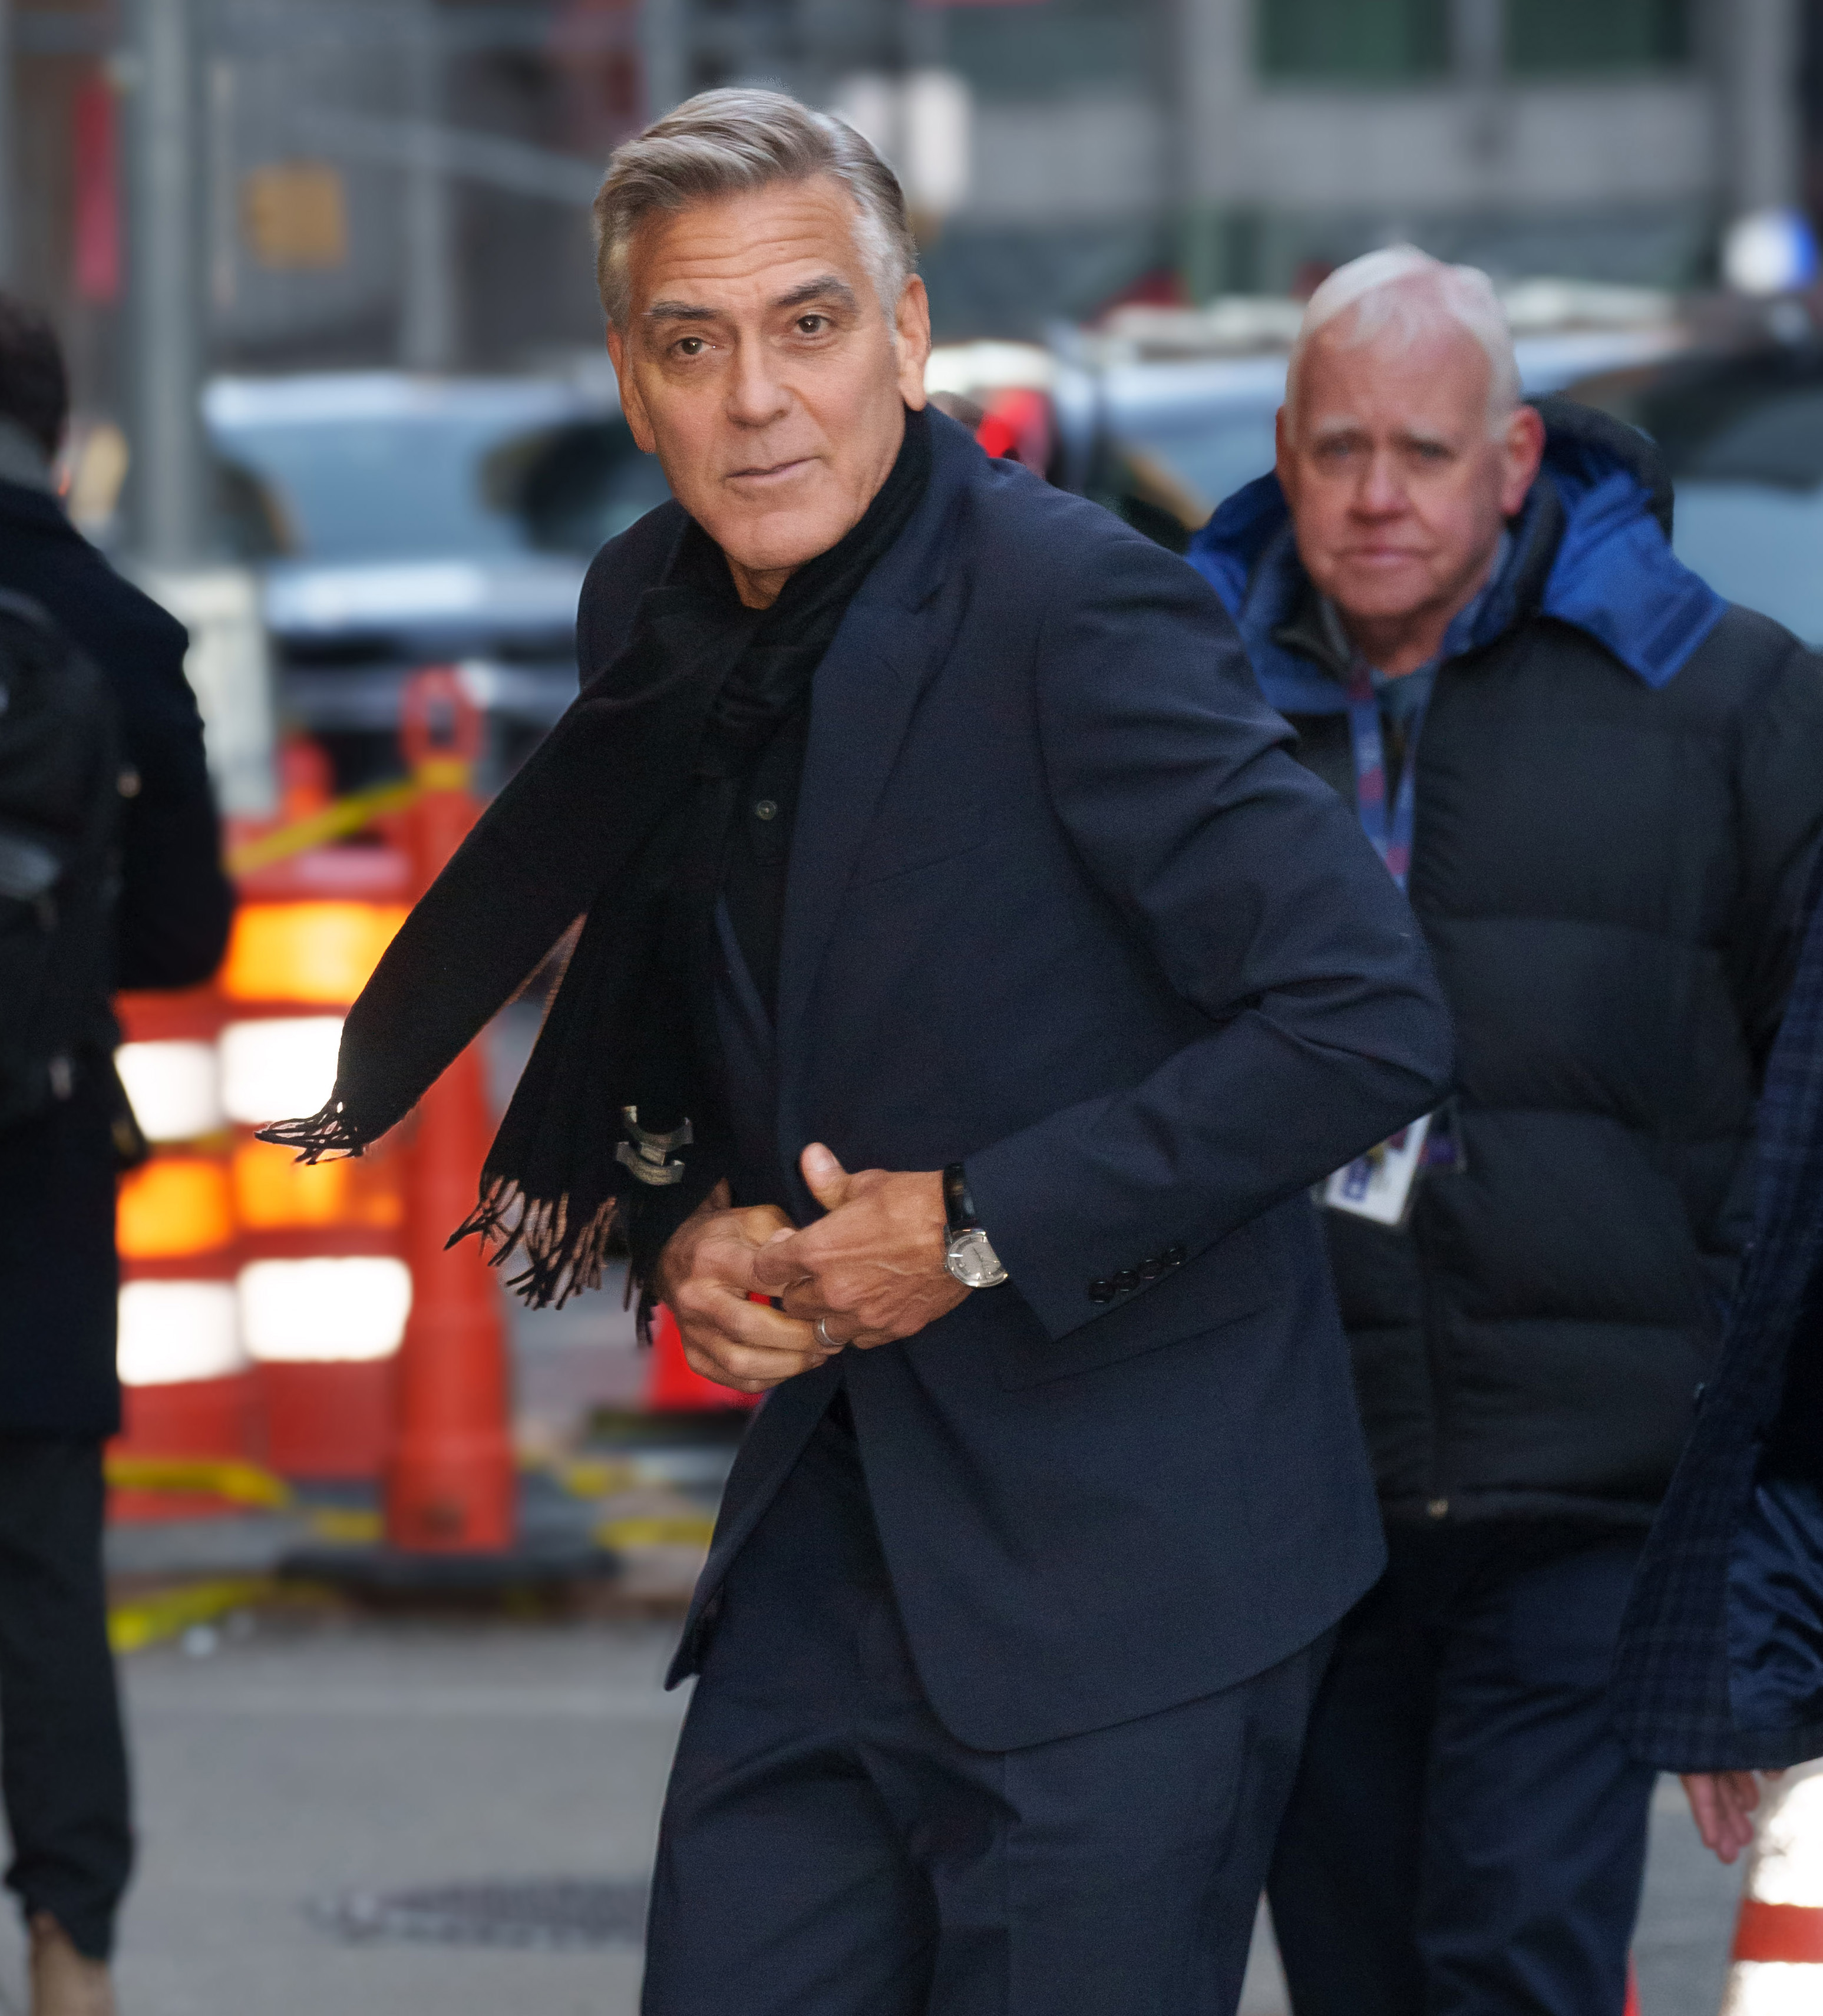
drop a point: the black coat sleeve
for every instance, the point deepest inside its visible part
(176, 901)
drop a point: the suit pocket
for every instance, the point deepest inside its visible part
(892, 853)
(1234, 1278)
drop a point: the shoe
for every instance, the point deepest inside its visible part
(63, 1981)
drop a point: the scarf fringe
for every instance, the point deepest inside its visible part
(325, 1137)
(561, 1258)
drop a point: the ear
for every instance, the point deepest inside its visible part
(1284, 463)
(633, 406)
(913, 324)
(1520, 452)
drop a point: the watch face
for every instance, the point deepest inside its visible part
(973, 1262)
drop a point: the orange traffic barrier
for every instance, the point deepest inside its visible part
(188, 1391)
(1777, 1957)
(323, 1286)
(451, 1482)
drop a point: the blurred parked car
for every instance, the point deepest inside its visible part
(1742, 436)
(401, 521)
(1162, 413)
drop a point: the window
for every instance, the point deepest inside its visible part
(1353, 42)
(1560, 37)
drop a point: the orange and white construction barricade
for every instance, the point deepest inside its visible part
(1777, 1968)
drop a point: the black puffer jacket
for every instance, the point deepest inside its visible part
(1610, 852)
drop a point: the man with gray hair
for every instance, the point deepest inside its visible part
(1601, 789)
(929, 827)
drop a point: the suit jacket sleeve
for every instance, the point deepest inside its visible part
(1251, 886)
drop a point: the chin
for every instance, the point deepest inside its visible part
(783, 539)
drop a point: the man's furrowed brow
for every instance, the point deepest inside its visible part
(826, 287)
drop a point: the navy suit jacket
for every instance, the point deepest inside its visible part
(1061, 906)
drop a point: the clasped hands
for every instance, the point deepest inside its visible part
(870, 1272)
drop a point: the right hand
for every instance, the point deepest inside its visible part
(705, 1277)
(1722, 1804)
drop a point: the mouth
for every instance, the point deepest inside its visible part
(769, 475)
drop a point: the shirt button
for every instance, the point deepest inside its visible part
(767, 808)
(1101, 1291)
(1439, 1508)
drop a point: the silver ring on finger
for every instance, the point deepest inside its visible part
(820, 1329)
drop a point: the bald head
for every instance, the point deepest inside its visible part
(1401, 298)
(1403, 449)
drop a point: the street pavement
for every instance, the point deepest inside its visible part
(288, 1763)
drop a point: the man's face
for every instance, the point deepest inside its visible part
(759, 367)
(1397, 489)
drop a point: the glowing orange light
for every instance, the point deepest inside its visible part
(274, 1192)
(175, 1204)
(306, 952)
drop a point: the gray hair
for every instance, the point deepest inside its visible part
(722, 142)
(1403, 295)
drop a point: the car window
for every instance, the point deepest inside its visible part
(1743, 440)
(1210, 457)
(571, 488)
(381, 489)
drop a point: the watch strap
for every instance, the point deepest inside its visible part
(958, 1214)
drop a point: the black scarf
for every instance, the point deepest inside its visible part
(623, 812)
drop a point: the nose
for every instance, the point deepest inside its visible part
(1381, 490)
(755, 396)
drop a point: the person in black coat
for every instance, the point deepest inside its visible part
(61, 1747)
(1602, 789)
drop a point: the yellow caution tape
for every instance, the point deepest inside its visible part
(599, 1476)
(240, 1483)
(679, 1530)
(334, 822)
(346, 1525)
(132, 1626)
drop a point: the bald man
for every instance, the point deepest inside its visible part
(1601, 788)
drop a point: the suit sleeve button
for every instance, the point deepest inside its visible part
(1172, 1256)
(1150, 1270)
(1101, 1291)
(1126, 1280)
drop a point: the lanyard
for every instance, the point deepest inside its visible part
(1389, 827)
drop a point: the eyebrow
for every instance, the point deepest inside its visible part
(826, 286)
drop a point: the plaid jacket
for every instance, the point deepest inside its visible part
(1682, 1659)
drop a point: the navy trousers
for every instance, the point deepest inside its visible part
(829, 1849)
(1467, 1833)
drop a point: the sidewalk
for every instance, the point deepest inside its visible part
(295, 1774)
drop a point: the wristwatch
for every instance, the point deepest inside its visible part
(967, 1254)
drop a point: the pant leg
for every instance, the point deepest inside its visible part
(1116, 1873)
(62, 1752)
(1536, 1817)
(829, 1849)
(1346, 1872)
(783, 1886)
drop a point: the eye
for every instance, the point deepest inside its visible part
(691, 346)
(812, 325)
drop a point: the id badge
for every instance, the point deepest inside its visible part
(1380, 1184)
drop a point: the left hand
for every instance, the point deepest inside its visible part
(873, 1268)
(1722, 1803)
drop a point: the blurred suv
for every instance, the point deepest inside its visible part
(400, 521)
